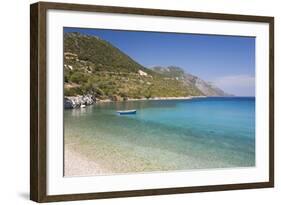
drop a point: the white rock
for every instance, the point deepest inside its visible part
(142, 73)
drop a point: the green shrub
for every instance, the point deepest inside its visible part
(73, 91)
(78, 77)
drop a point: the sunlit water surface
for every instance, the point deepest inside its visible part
(165, 135)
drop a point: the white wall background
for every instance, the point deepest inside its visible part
(14, 101)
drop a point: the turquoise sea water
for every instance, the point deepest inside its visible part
(201, 133)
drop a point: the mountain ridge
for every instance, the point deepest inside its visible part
(95, 66)
(206, 88)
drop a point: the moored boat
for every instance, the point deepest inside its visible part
(126, 112)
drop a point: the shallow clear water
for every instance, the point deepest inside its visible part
(165, 135)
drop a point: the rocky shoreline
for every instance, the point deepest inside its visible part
(72, 102)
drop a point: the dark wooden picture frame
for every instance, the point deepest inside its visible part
(38, 103)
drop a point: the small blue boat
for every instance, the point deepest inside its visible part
(126, 112)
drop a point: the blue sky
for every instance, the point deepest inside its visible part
(226, 61)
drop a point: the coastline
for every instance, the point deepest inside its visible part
(72, 102)
(81, 101)
(154, 98)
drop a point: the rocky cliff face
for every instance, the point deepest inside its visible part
(208, 89)
(76, 101)
(178, 73)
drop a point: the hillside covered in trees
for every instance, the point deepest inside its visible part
(94, 66)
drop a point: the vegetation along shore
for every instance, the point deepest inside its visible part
(97, 71)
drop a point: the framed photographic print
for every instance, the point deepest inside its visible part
(134, 102)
